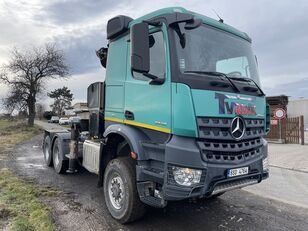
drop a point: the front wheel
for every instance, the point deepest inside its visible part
(120, 190)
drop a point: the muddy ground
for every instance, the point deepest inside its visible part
(80, 204)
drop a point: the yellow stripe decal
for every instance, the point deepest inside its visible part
(114, 119)
(165, 130)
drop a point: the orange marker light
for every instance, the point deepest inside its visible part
(133, 155)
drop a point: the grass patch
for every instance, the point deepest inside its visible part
(20, 207)
(19, 204)
(13, 132)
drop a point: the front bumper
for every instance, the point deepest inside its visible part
(181, 151)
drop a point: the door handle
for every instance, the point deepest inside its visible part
(129, 115)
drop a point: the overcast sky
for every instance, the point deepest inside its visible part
(278, 29)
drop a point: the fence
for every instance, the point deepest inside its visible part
(288, 130)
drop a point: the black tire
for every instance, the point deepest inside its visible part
(131, 207)
(59, 164)
(47, 151)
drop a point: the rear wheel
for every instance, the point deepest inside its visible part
(60, 165)
(120, 190)
(47, 151)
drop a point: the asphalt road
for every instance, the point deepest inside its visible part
(81, 206)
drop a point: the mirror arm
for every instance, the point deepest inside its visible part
(154, 79)
(158, 81)
(152, 23)
(150, 76)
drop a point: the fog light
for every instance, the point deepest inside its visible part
(265, 165)
(186, 176)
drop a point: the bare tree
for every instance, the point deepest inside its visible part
(15, 101)
(27, 71)
(40, 109)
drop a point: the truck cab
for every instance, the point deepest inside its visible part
(181, 114)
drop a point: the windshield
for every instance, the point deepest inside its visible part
(206, 49)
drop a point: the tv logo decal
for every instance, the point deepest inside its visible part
(226, 107)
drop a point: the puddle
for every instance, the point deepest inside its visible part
(35, 146)
(37, 166)
(23, 158)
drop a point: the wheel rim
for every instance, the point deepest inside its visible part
(46, 152)
(116, 191)
(56, 158)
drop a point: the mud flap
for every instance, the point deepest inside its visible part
(101, 166)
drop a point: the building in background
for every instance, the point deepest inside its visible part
(289, 126)
(81, 109)
(69, 112)
(278, 127)
(299, 107)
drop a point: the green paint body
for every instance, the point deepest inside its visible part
(171, 105)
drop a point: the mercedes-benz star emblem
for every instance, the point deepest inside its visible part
(237, 128)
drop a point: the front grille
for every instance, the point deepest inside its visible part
(218, 128)
(218, 146)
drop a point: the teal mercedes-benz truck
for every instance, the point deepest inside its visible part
(180, 114)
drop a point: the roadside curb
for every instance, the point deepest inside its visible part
(290, 169)
(276, 198)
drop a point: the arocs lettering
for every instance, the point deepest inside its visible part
(232, 107)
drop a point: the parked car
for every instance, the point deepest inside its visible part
(64, 121)
(74, 119)
(54, 119)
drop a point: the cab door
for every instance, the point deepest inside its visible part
(149, 106)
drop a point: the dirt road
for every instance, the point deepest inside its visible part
(81, 205)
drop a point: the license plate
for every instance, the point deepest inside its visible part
(237, 172)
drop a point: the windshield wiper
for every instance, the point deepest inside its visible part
(248, 80)
(216, 73)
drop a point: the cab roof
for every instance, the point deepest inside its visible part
(206, 20)
(120, 25)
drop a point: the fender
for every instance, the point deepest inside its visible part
(63, 138)
(133, 136)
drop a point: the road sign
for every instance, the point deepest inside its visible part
(279, 113)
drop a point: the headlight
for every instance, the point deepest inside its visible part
(186, 176)
(265, 165)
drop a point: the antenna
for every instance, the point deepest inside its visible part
(220, 19)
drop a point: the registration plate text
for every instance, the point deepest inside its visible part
(237, 172)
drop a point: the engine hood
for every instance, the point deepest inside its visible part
(188, 104)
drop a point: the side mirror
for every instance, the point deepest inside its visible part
(140, 51)
(102, 55)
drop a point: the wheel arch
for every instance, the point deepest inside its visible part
(114, 135)
(131, 134)
(62, 137)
